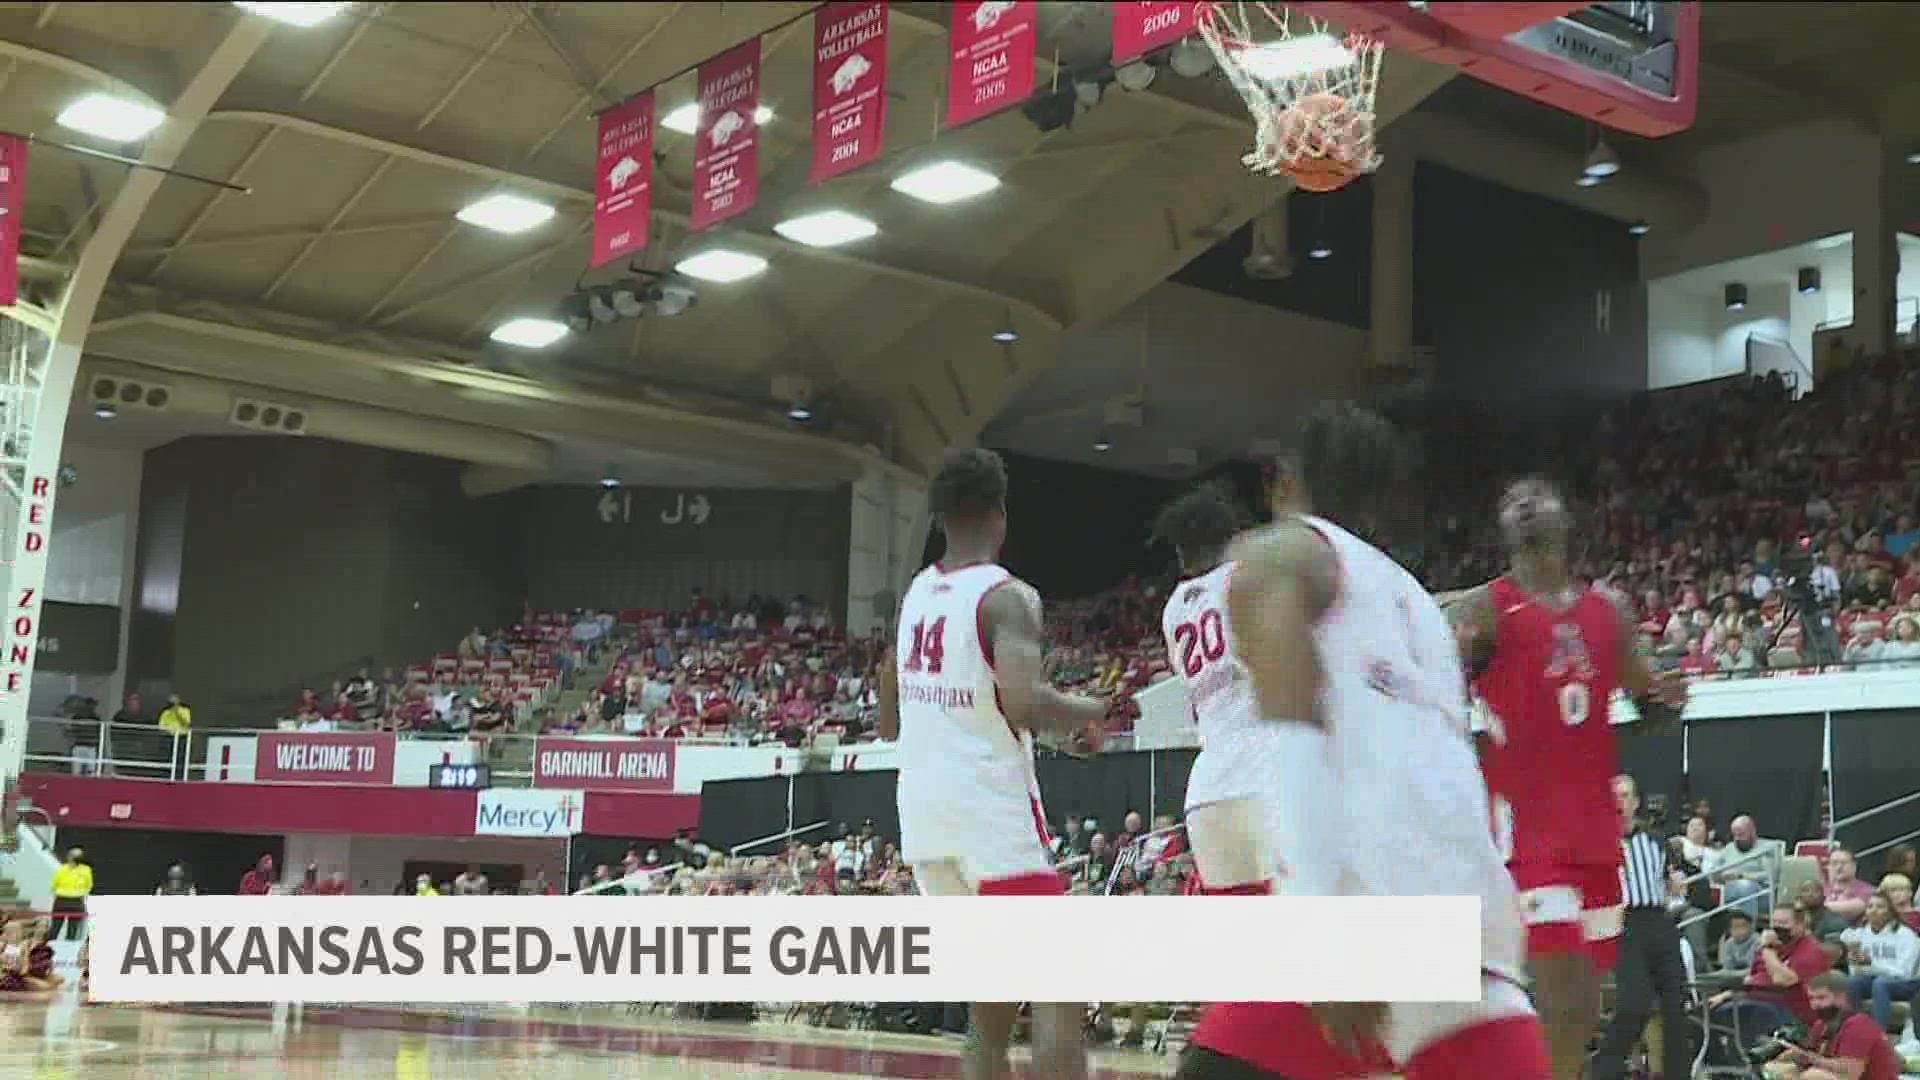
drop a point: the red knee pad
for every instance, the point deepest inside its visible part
(1513, 1048)
(1252, 888)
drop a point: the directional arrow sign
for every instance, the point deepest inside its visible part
(698, 508)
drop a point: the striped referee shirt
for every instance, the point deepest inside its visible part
(1643, 870)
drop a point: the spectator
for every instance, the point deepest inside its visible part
(1099, 862)
(1903, 647)
(1748, 866)
(72, 884)
(471, 882)
(1775, 991)
(423, 883)
(1846, 894)
(259, 880)
(310, 884)
(178, 882)
(1740, 945)
(177, 720)
(1839, 1043)
(1824, 925)
(1884, 956)
(1734, 656)
(1899, 890)
(130, 712)
(1694, 846)
(1131, 827)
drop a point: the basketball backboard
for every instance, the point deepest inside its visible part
(1632, 65)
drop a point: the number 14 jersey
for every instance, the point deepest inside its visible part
(1547, 693)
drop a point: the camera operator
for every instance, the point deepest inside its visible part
(1841, 1044)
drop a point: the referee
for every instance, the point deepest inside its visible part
(1650, 964)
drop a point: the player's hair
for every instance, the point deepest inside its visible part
(1532, 513)
(971, 483)
(1201, 520)
(1355, 462)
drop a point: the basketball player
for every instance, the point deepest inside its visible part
(1354, 660)
(965, 696)
(1229, 823)
(1548, 657)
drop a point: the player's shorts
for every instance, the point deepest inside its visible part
(1270, 1040)
(981, 838)
(1497, 1036)
(1240, 834)
(1571, 908)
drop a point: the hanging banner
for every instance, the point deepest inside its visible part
(849, 86)
(13, 186)
(726, 169)
(1140, 28)
(990, 65)
(623, 180)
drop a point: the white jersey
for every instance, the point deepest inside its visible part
(967, 789)
(1395, 705)
(1235, 759)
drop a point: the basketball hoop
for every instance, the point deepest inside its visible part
(1310, 90)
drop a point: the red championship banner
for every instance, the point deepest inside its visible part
(726, 160)
(623, 179)
(990, 65)
(604, 764)
(13, 187)
(322, 757)
(1140, 28)
(849, 86)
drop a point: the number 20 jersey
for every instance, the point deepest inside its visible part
(1200, 649)
(1552, 758)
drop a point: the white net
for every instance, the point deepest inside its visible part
(1309, 87)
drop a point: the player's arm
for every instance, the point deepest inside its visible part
(1470, 611)
(1284, 580)
(1658, 700)
(1011, 618)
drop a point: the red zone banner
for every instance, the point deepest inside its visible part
(1140, 28)
(13, 186)
(623, 180)
(300, 757)
(604, 764)
(849, 86)
(726, 160)
(990, 65)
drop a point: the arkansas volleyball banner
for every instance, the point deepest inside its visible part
(849, 86)
(990, 65)
(726, 161)
(623, 179)
(13, 186)
(1140, 28)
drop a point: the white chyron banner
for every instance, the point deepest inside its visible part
(371, 949)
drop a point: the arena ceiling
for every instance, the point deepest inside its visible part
(344, 284)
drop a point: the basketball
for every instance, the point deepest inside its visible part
(1313, 144)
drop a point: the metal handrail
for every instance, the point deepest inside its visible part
(798, 830)
(1854, 819)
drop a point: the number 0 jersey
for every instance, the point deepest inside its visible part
(1547, 693)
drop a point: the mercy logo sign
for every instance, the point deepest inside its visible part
(529, 812)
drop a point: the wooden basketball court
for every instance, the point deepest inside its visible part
(55, 1038)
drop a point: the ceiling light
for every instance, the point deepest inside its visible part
(506, 213)
(1190, 59)
(799, 413)
(1639, 228)
(675, 298)
(1296, 57)
(1102, 444)
(529, 333)
(611, 478)
(1736, 296)
(1601, 160)
(294, 14)
(1136, 76)
(1007, 336)
(945, 182)
(721, 266)
(686, 118)
(1320, 253)
(1589, 180)
(113, 119)
(828, 228)
(1913, 157)
(105, 410)
(600, 305)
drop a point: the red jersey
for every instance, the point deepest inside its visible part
(1548, 691)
